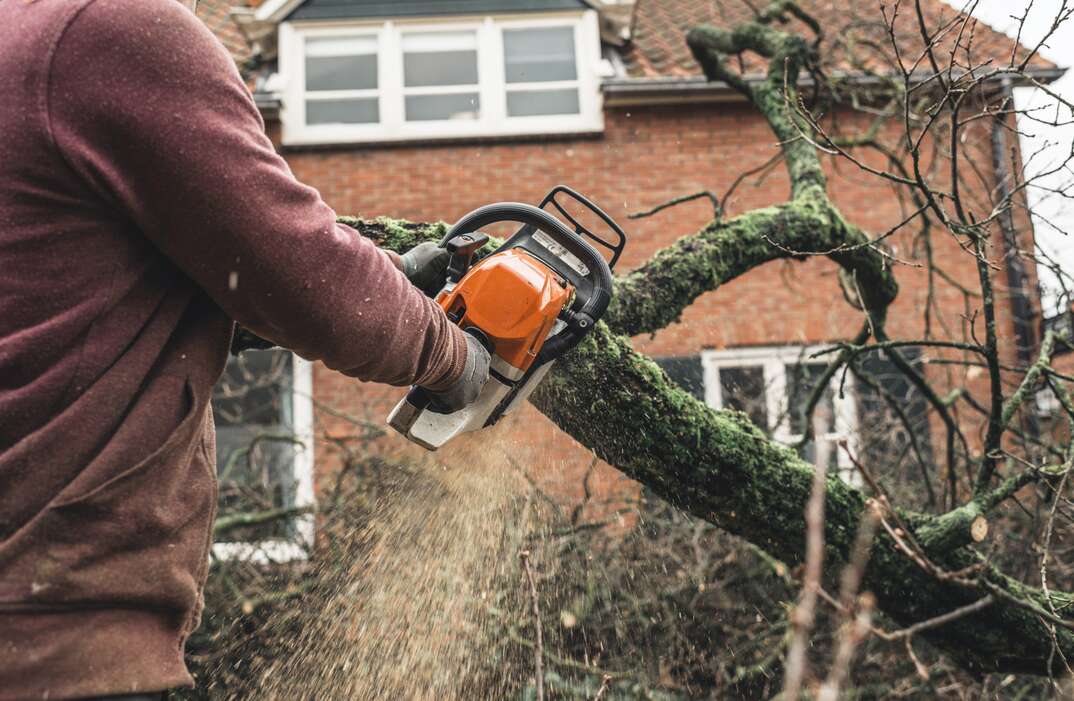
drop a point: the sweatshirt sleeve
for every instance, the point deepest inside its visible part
(148, 108)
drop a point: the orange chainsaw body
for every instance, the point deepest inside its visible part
(529, 302)
(514, 299)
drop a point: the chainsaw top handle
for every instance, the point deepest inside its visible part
(582, 266)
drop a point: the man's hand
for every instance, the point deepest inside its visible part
(425, 266)
(469, 385)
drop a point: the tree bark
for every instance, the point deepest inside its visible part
(719, 467)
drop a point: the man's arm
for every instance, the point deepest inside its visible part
(147, 106)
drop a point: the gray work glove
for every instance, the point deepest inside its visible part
(425, 266)
(469, 385)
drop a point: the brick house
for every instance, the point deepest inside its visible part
(426, 109)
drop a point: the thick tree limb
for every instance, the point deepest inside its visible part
(655, 295)
(718, 466)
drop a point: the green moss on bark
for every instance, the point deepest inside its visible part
(719, 467)
(396, 234)
(655, 294)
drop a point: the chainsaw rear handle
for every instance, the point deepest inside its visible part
(579, 321)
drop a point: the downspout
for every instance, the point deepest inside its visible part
(1022, 311)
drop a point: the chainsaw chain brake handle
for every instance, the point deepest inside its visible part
(548, 239)
(616, 248)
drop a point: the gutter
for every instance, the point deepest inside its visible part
(1017, 279)
(696, 88)
(1023, 314)
(269, 105)
(623, 91)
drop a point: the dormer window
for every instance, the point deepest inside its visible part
(353, 82)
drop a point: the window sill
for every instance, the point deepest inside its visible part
(265, 552)
(312, 143)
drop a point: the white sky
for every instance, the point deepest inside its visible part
(1057, 142)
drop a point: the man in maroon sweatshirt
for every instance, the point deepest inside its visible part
(142, 212)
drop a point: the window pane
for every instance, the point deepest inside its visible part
(531, 103)
(341, 64)
(885, 434)
(686, 372)
(439, 59)
(425, 69)
(341, 46)
(743, 389)
(822, 452)
(538, 55)
(256, 471)
(363, 110)
(341, 73)
(899, 450)
(424, 108)
(251, 390)
(255, 449)
(801, 378)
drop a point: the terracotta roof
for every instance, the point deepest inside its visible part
(216, 16)
(852, 28)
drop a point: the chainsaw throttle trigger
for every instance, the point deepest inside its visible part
(462, 250)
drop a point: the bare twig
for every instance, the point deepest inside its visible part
(854, 632)
(605, 682)
(680, 200)
(936, 621)
(538, 650)
(804, 613)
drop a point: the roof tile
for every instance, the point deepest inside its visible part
(855, 34)
(216, 14)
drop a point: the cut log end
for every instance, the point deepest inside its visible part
(979, 529)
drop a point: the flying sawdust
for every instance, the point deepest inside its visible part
(415, 603)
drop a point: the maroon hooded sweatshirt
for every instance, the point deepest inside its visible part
(142, 210)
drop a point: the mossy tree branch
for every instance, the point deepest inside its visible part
(716, 464)
(655, 294)
(719, 467)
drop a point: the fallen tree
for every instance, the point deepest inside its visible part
(718, 466)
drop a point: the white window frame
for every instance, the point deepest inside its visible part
(347, 93)
(275, 550)
(451, 89)
(493, 121)
(774, 361)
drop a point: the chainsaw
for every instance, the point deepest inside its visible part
(528, 302)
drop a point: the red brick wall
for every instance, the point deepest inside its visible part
(646, 156)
